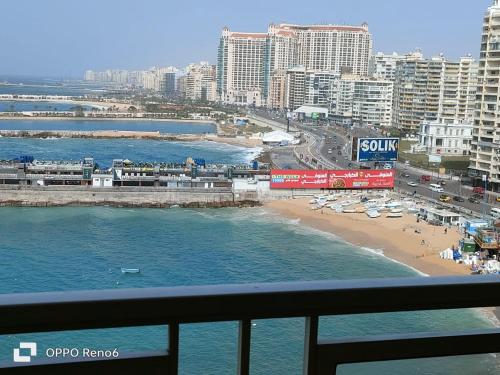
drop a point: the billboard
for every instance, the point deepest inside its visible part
(332, 179)
(435, 159)
(361, 179)
(376, 149)
(299, 179)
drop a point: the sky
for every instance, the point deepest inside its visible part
(61, 38)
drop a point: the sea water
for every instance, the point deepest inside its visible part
(105, 150)
(171, 127)
(63, 249)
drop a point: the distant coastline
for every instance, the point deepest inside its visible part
(66, 118)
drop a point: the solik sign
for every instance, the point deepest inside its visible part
(378, 149)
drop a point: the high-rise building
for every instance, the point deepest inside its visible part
(383, 66)
(485, 149)
(199, 82)
(309, 87)
(168, 84)
(363, 101)
(431, 90)
(240, 67)
(251, 66)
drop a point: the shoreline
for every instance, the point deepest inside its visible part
(42, 118)
(248, 143)
(394, 238)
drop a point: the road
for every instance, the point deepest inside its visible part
(323, 138)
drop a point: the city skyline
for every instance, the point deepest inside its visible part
(142, 38)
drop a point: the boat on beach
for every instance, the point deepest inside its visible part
(373, 214)
(394, 215)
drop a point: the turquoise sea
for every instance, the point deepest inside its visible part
(91, 125)
(57, 249)
(105, 150)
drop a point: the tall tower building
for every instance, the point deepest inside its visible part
(251, 66)
(485, 148)
(431, 90)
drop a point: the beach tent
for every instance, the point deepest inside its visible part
(278, 137)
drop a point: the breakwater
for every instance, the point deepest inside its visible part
(124, 197)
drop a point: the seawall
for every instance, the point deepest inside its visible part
(123, 197)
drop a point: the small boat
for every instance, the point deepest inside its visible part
(348, 211)
(361, 210)
(372, 214)
(396, 211)
(394, 215)
(131, 270)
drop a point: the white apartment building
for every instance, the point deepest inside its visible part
(240, 67)
(251, 66)
(199, 82)
(309, 87)
(485, 150)
(431, 90)
(441, 138)
(363, 101)
(383, 66)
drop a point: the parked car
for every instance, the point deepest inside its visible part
(425, 178)
(478, 190)
(497, 199)
(457, 198)
(441, 182)
(405, 175)
(411, 183)
(445, 198)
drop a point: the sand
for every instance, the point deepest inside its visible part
(395, 237)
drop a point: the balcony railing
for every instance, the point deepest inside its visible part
(60, 311)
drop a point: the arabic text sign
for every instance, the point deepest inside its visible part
(332, 179)
(361, 179)
(377, 149)
(299, 179)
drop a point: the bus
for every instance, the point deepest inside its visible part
(437, 188)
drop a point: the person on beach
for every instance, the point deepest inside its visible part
(445, 230)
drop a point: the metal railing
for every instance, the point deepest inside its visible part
(60, 311)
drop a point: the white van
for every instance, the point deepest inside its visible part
(437, 188)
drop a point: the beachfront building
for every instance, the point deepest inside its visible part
(383, 66)
(240, 67)
(433, 89)
(251, 66)
(485, 152)
(309, 87)
(363, 101)
(441, 138)
(199, 82)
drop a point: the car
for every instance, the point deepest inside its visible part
(497, 199)
(441, 182)
(457, 198)
(478, 196)
(478, 190)
(407, 162)
(411, 183)
(330, 151)
(405, 175)
(425, 178)
(435, 222)
(473, 200)
(445, 198)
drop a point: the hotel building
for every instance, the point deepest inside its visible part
(251, 66)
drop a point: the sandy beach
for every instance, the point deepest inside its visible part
(395, 237)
